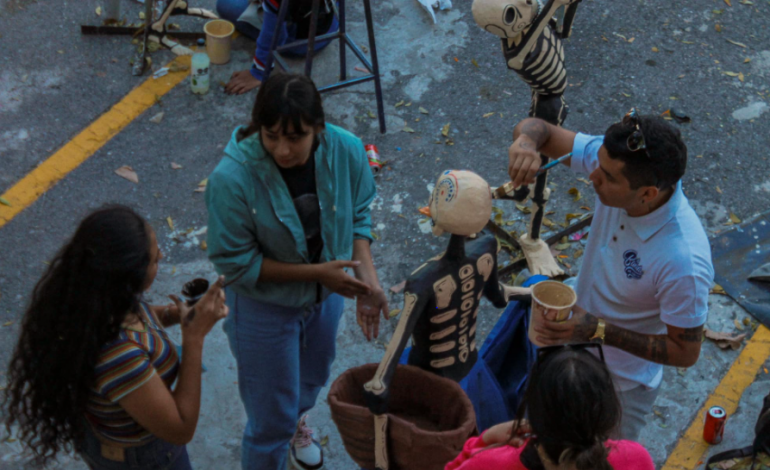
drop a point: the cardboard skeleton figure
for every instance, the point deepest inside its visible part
(441, 298)
(532, 47)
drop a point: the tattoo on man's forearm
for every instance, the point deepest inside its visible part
(584, 329)
(537, 130)
(659, 351)
(653, 348)
(691, 335)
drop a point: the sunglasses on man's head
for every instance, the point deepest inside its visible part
(545, 351)
(635, 141)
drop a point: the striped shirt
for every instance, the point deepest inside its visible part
(124, 365)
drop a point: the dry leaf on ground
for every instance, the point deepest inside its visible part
(202, 186)
(128, 173)
(157, 118)
(170, 222)
(717, 289)
(739, 44)
(4, 201)
(394, 312)
(422, 110)
(445, 130)
(176, 166)
(725, 340)
(575, 193)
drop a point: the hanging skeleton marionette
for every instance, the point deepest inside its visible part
(157, 13)
(532, 47)
(441, 298)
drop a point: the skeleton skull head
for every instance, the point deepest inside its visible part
(505, 18)
(461, 203)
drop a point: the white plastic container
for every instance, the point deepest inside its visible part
(199, 70)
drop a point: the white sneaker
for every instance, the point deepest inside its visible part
(305, 453)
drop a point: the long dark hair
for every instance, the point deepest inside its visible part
(572, 408)
(78, 305)
(289, 99)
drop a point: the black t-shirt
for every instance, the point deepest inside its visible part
(302, 187)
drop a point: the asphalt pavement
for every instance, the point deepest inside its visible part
(708, 59)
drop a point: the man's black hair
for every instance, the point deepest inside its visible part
(665, 159)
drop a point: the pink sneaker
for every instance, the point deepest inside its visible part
(304, 452)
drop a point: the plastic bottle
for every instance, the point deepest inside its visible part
(199, 82)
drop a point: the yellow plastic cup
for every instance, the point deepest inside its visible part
(551, 295)
(218, 37)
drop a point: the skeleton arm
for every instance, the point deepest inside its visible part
(569, 17)
(500, 294)
(377, 389)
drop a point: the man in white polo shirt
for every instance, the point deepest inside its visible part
(643, 287)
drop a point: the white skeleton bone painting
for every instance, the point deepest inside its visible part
(532, 47)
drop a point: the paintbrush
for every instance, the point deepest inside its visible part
(552, 164)
(507, 189)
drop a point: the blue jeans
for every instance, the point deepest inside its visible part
(284, 358)
(231, 10)
(155, 455)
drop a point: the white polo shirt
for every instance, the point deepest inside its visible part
(642, 273)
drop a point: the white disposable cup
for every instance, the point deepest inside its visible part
(550, 295)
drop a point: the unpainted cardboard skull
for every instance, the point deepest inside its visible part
(504, 18)
(461, 203)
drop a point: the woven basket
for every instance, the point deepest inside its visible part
(430, 418)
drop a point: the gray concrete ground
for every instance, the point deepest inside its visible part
(54, 82)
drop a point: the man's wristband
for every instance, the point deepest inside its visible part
(598, 336)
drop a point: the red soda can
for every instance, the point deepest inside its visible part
(375, 164)
(714, 426)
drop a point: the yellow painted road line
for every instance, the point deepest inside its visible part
(85, 144)
(691, 447)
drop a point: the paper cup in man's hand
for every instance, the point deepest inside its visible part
(550, 295)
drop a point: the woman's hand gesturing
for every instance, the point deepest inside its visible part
(332, 275)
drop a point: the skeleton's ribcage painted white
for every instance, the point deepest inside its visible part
(543, 68)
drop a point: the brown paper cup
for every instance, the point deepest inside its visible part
(551, 295)
(218, 36)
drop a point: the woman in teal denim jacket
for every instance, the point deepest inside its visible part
(288, 216)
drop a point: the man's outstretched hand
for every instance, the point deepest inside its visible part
(241, 82)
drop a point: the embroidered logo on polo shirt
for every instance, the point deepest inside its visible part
(631, 263)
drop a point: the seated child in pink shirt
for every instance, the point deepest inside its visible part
(572, 409)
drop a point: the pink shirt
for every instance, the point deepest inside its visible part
(624, 455)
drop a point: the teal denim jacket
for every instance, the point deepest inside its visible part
(252, 214)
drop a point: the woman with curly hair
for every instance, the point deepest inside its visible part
(572, 409)
(93, 367)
